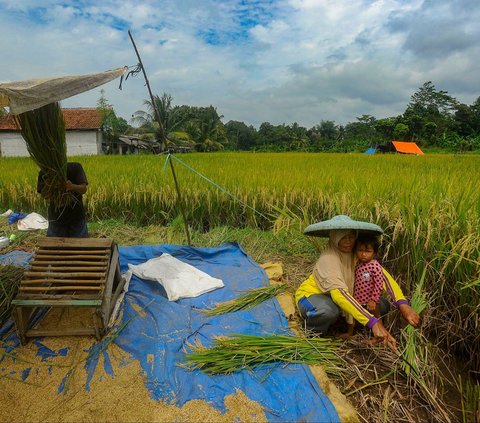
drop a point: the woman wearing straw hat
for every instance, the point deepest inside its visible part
(330, 287)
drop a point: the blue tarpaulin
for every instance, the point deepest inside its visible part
(157, 332)
(371, 150)
(16, 258)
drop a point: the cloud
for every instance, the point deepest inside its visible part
(439, 28)
(279, 60)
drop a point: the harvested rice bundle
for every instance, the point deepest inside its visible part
(10, 277)
(414, 353)
(43, 130)
(241, 352)
(250, 299)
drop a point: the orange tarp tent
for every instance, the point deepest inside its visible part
(407, 147)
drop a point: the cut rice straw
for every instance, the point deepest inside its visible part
(43, 130)
(250, 299)
(10, 277)
(242, 352)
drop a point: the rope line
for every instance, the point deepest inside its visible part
(171, 156)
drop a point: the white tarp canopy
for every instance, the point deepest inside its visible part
(22, 96)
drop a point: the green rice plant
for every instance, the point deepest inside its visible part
(228, 355)
(412, 357)
(470, 398)
(250, 299)
(416, 360)
(43, 130)
(428, 208)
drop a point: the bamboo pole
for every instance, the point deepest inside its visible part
(180, 202)
(152, 99)
(163, 138)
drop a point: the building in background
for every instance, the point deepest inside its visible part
(83, 134)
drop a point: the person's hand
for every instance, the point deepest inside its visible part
(371, 305)
(409, 314)
(69, 185)
(381, 333)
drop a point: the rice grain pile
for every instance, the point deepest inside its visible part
(119, 398)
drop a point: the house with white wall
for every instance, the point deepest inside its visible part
(83, 134)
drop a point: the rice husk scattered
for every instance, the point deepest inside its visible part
(122, 397)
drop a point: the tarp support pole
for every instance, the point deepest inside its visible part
(154, 105)
(180, 203)
(162, 138)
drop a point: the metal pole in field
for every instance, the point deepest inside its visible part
(163, 138)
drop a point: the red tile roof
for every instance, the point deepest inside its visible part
(85, 118)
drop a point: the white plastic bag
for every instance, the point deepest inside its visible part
(31, 222)
(179, 279)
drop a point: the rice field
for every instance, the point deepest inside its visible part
(429, 207)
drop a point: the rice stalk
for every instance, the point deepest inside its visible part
(43, 130)
(250, 299)
(446, 210)
(229, 355)
(10, 277)
(415, 360)
(470, 399)
(371, 367)
(20, 380)
(411, 354)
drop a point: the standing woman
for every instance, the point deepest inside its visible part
(329, 289)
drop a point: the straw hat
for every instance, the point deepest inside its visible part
(341, 222)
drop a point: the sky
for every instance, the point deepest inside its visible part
(276, 61)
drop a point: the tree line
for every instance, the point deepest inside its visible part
(432, 118)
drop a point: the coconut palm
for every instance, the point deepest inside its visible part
(165, 124)
(207, 130)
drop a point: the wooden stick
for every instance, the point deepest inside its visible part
(65, 252)
(63, 263)
(64, 274)
(80, 256)
(163, 136)
(61, 288)
(51, 281)
(72, 268)
(180, 202)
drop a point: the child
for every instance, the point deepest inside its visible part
(369, 276)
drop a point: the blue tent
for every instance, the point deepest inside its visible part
(371, 150)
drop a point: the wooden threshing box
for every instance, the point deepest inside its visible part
(79, 273)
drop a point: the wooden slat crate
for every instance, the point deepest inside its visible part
(69, 272)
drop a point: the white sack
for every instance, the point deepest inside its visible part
(127, 276)
(31, 222)
(179, 279)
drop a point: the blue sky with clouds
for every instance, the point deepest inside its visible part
(277, 61)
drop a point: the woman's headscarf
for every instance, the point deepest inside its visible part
(333, 268)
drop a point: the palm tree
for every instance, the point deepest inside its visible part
(164, 124)
(208, 131)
